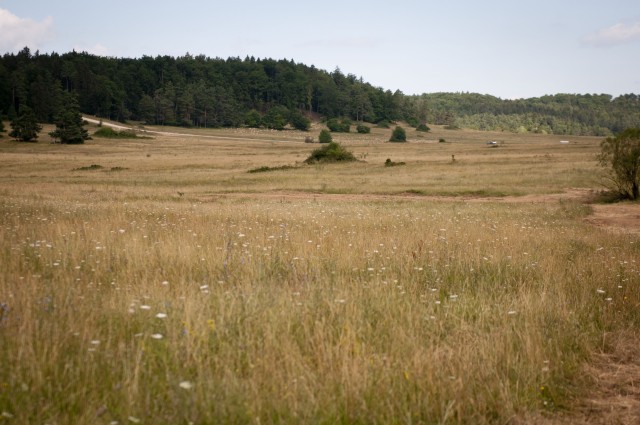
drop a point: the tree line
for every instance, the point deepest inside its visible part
(199, 91)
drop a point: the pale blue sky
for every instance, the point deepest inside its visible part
(507, 48)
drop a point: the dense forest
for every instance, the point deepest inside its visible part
(198, 91)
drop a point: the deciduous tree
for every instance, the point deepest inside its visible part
(620, 155)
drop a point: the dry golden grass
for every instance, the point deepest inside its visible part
(175, 291)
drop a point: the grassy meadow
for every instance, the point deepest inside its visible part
(158, 281)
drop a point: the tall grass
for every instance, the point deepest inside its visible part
(132, 308)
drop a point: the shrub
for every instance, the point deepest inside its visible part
(333, 152)
(299, 121)
(441, 140)
(363, 129)
(413, 122)
(325, 136)
(390, 163)
(423, 127)
(398, 135)
(277, 118)
(253, 119)
(339, 126)
(110, 133)
(383, 124)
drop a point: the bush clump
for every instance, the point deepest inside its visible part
(333, 152)
(339, 126)
(398, 135)
(383, 124)
(363, 129)
(423, 127)
(110, 133)
(390, 163)
(325, 136)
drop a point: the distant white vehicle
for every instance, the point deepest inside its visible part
(492, 142)
(564, 142)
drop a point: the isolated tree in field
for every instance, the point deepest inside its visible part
(25, 126)
(69, 125)
(621, 156)
(398, 135)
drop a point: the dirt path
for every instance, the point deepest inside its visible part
(168, 133)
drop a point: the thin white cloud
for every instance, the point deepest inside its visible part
(16, 32)
(356, 42)
(619, 33)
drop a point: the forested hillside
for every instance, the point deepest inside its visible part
(211, 92)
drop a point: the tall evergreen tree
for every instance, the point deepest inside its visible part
(69, 124)
(25, 126)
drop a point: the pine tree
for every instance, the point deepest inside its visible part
(69, 125)
(25, 126)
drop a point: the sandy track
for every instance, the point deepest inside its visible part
(168, 133)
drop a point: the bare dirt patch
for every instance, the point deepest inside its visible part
(621, 217)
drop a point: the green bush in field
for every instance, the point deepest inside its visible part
(423, 127)
(333, 152)
(363, 129)
(383, 124)
(110, 133)
(339, 126)
(398, 135)
(325, 136)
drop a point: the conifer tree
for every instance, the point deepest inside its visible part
(69, 124)
(25, 126)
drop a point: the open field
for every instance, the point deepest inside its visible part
(169, 285)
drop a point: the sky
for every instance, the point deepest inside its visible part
(506, 48)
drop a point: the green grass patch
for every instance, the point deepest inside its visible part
(110, 133)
